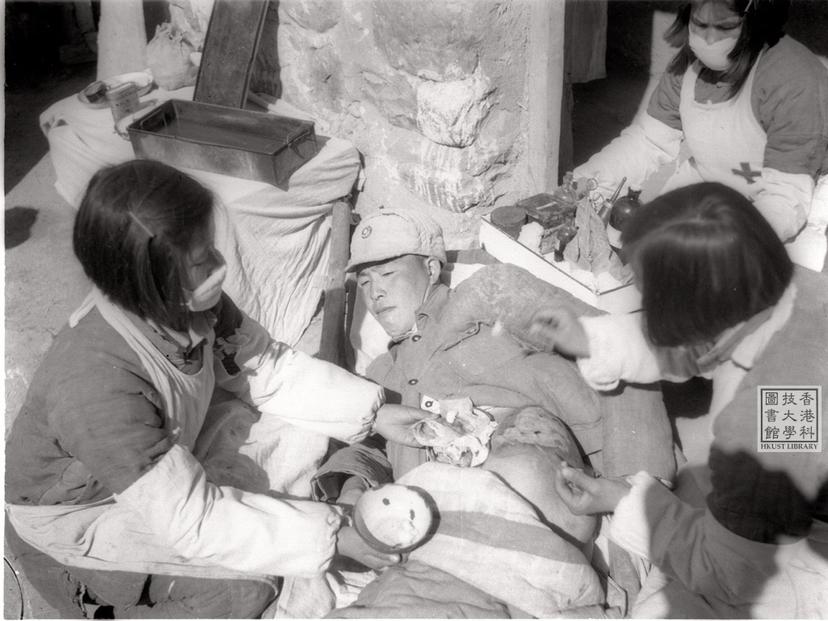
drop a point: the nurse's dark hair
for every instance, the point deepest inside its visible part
(133, 230)
(705, 260)
(763, 23)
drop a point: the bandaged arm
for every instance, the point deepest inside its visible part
(639, 151)
(693, 546)
(791, 162)
(279, 381)
(789, 101)
(683, 541)
(230, 528)
(121, 445)
(785, 201)
(620, 351)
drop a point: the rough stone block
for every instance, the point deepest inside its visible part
(450, 113)
(433, 39)
(316, 15)
(431, 92)
(383, 188)
(393, 95)
(311, 71)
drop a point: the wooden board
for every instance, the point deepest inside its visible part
(266, 78)
(333, 343)
(229, 52)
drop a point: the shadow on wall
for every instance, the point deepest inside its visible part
(808, 23)
(34, 33)
(602, 108)
(18, 225)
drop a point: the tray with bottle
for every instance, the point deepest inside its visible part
(562, 238)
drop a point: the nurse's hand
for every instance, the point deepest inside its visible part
(559, 329)
(585, 495)
(350, 544)
(396, 423)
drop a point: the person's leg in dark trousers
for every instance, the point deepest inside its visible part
(637, 436)
(71, 590)
(48, 577)
(176, 597)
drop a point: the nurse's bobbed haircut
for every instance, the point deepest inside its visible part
(705, 260)
(763, 23)
(135, 225)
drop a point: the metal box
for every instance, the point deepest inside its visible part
(241, 143)
(548, 210)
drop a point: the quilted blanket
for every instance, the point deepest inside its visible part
(490, 556)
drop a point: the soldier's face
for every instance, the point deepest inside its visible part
(394, 290)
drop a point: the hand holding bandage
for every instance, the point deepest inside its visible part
(462, 434)
(452, 408)
(397, 423)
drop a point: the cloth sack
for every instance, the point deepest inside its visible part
(168, 57)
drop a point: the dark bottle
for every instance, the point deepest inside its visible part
(622, 210)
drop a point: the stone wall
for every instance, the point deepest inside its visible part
(432, 92)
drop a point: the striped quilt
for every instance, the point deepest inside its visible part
(489, 539)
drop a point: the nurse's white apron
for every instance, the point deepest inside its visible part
(727, 144)
(104, 535)
(725, 139)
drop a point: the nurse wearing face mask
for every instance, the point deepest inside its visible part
(109, 491)
(751, 106)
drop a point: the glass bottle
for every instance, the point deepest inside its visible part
(622, 210)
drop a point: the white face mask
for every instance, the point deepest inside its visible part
(207, 294)
(713, 55)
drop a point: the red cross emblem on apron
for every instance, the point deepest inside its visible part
(746, 172)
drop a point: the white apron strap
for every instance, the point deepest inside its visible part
(186, 397)
(725, 139)
(106, 536)
(87, 305)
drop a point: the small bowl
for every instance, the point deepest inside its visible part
(94, 95)
(393, 506)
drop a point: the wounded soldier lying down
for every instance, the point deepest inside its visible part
(467, 355)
